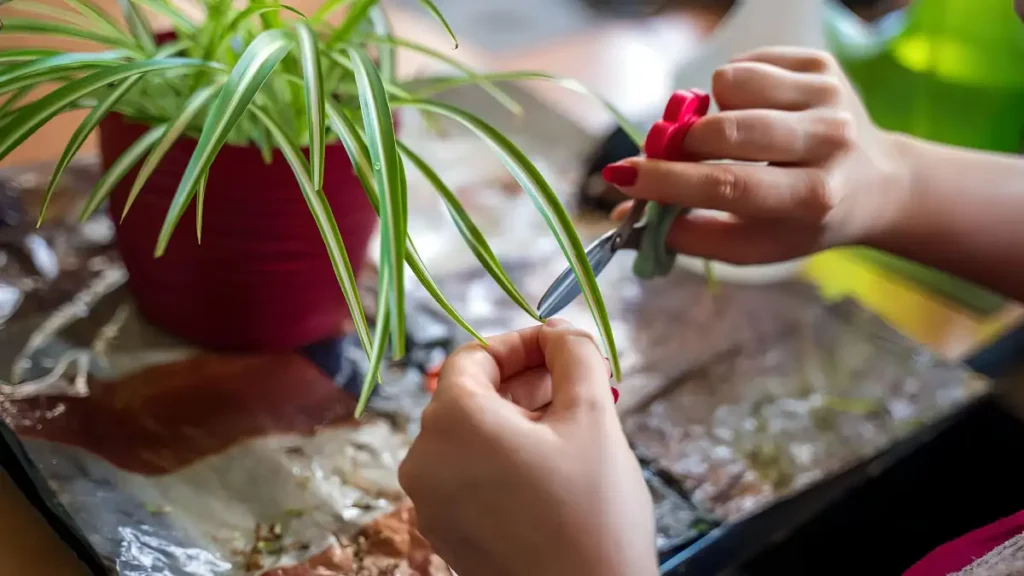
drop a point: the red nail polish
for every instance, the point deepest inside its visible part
(622, 175)
(615, 395)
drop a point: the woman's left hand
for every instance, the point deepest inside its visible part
(522, 468)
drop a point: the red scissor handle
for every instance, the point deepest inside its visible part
(665, 142)
(684, 109)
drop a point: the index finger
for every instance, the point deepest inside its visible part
(483, 368)
(753, 191)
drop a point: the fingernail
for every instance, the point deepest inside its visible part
(622, 175)
(615, 395)
(608, 363)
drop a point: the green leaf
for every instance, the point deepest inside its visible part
(345, 63)
(347, 132)
(231, 29)
(245, 80)
(381, 143)
(54, 67)
(540, 192)
(81, 133)
(385, 53)
(320, 208)
(497, 93)
(432, 8)
(313, 76)
(138, 25)
(192, 107)
(11, 102)
(419, 269)
(326, 9)
(200, 199)
(33, 116)
(356, 15)
(60, 29)
(30, 7)
(430, 86)
(380, 332)
(472, 235)
(117, 171)
(181, 24)
(96, 15)
(21, 56)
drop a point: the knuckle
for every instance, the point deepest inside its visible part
(841, 128)
(831, 91)
(727, 127)
(821, 61)
(819, 197)
(724, 186)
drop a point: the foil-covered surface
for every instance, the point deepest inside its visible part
(760, 424)
(178, 461)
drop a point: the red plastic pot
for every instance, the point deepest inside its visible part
(261, 279)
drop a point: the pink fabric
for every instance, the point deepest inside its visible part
(960, 553)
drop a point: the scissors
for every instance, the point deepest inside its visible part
(646, 227)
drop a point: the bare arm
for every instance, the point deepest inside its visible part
(962, 212)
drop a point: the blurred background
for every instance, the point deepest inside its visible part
(946, 70)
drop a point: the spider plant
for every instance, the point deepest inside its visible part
(266, 75)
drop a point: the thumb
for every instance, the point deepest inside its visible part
(579, 373)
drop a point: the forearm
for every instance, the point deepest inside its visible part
(961, 211)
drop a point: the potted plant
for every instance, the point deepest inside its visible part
(239, 146)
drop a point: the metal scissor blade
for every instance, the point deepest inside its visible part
(566, 287)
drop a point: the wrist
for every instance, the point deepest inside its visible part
(897, 191)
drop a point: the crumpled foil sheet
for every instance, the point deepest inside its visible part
(178, 461)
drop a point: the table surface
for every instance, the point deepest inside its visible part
(630, 63)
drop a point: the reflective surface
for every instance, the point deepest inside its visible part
(566, 287)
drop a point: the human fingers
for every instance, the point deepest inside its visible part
(792, 58)
(742, 242)
(744, 190)
(620, 211)
(717, 237)
(476, 367)
(767, 136)
(530, 390)
(751, 84)
(579, 374)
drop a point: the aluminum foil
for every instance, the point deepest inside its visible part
(763, 422)
(177, 461)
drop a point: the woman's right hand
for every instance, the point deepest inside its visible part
(832, 178)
